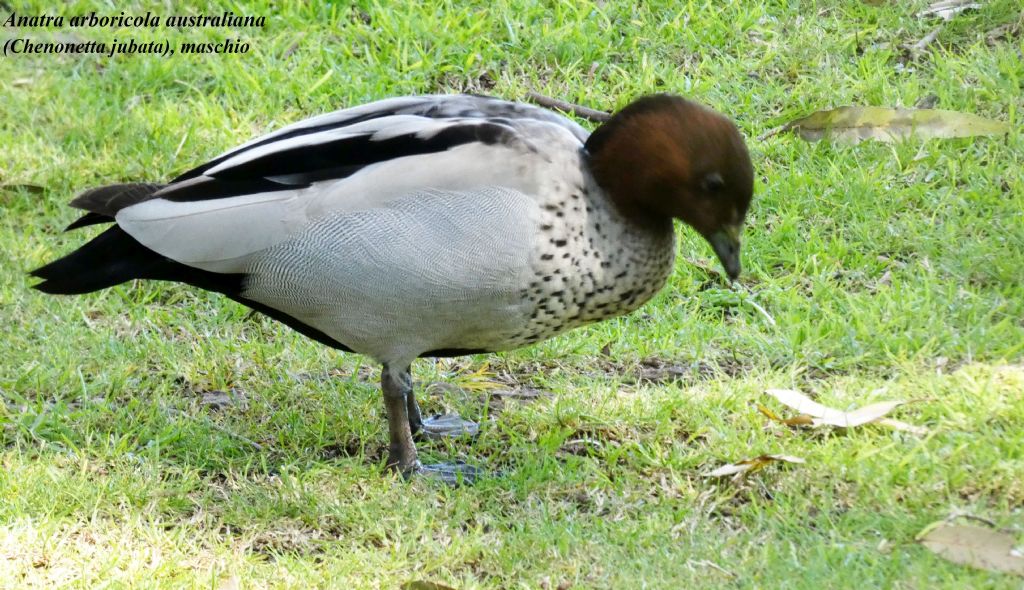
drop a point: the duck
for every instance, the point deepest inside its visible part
(430, 226)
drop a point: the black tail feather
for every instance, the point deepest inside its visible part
(108, 200)
(88, 219)
(111, 258)
(104, 202)
(114, 257)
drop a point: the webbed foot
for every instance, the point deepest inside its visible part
(453, 474)
(447, 426)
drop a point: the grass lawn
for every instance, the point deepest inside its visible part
(892, 272)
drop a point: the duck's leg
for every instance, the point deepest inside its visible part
(398, 399)
(440, 426)
(397, 384)
(413, 410)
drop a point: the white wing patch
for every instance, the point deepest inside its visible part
(216, 235)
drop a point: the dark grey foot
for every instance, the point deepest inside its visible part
(447, 426)
(453, 474)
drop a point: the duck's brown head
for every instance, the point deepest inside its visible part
(665, 157)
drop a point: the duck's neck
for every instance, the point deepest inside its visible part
(624, 180)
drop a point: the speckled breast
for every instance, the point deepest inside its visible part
(592, 264)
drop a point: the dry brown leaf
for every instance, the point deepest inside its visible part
(851, 124)
(745, 466)
(976, 546)
(768, 413)
(947, 9)
(801, 420)
(821, 415)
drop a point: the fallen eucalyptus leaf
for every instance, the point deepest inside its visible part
(947, 9)
(976, 546)
(826, 415)
(740, 468)
(852, 124)
(822, 415)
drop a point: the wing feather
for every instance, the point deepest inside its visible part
(429, 107)
(218, 215)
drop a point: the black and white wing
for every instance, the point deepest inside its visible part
(216, 216)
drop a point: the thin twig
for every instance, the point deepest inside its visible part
(965, 515)
(773, 132)
(917, 49)
(582, 112)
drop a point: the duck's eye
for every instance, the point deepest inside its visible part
(712, 183)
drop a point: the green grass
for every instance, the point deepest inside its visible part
(885, 267)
